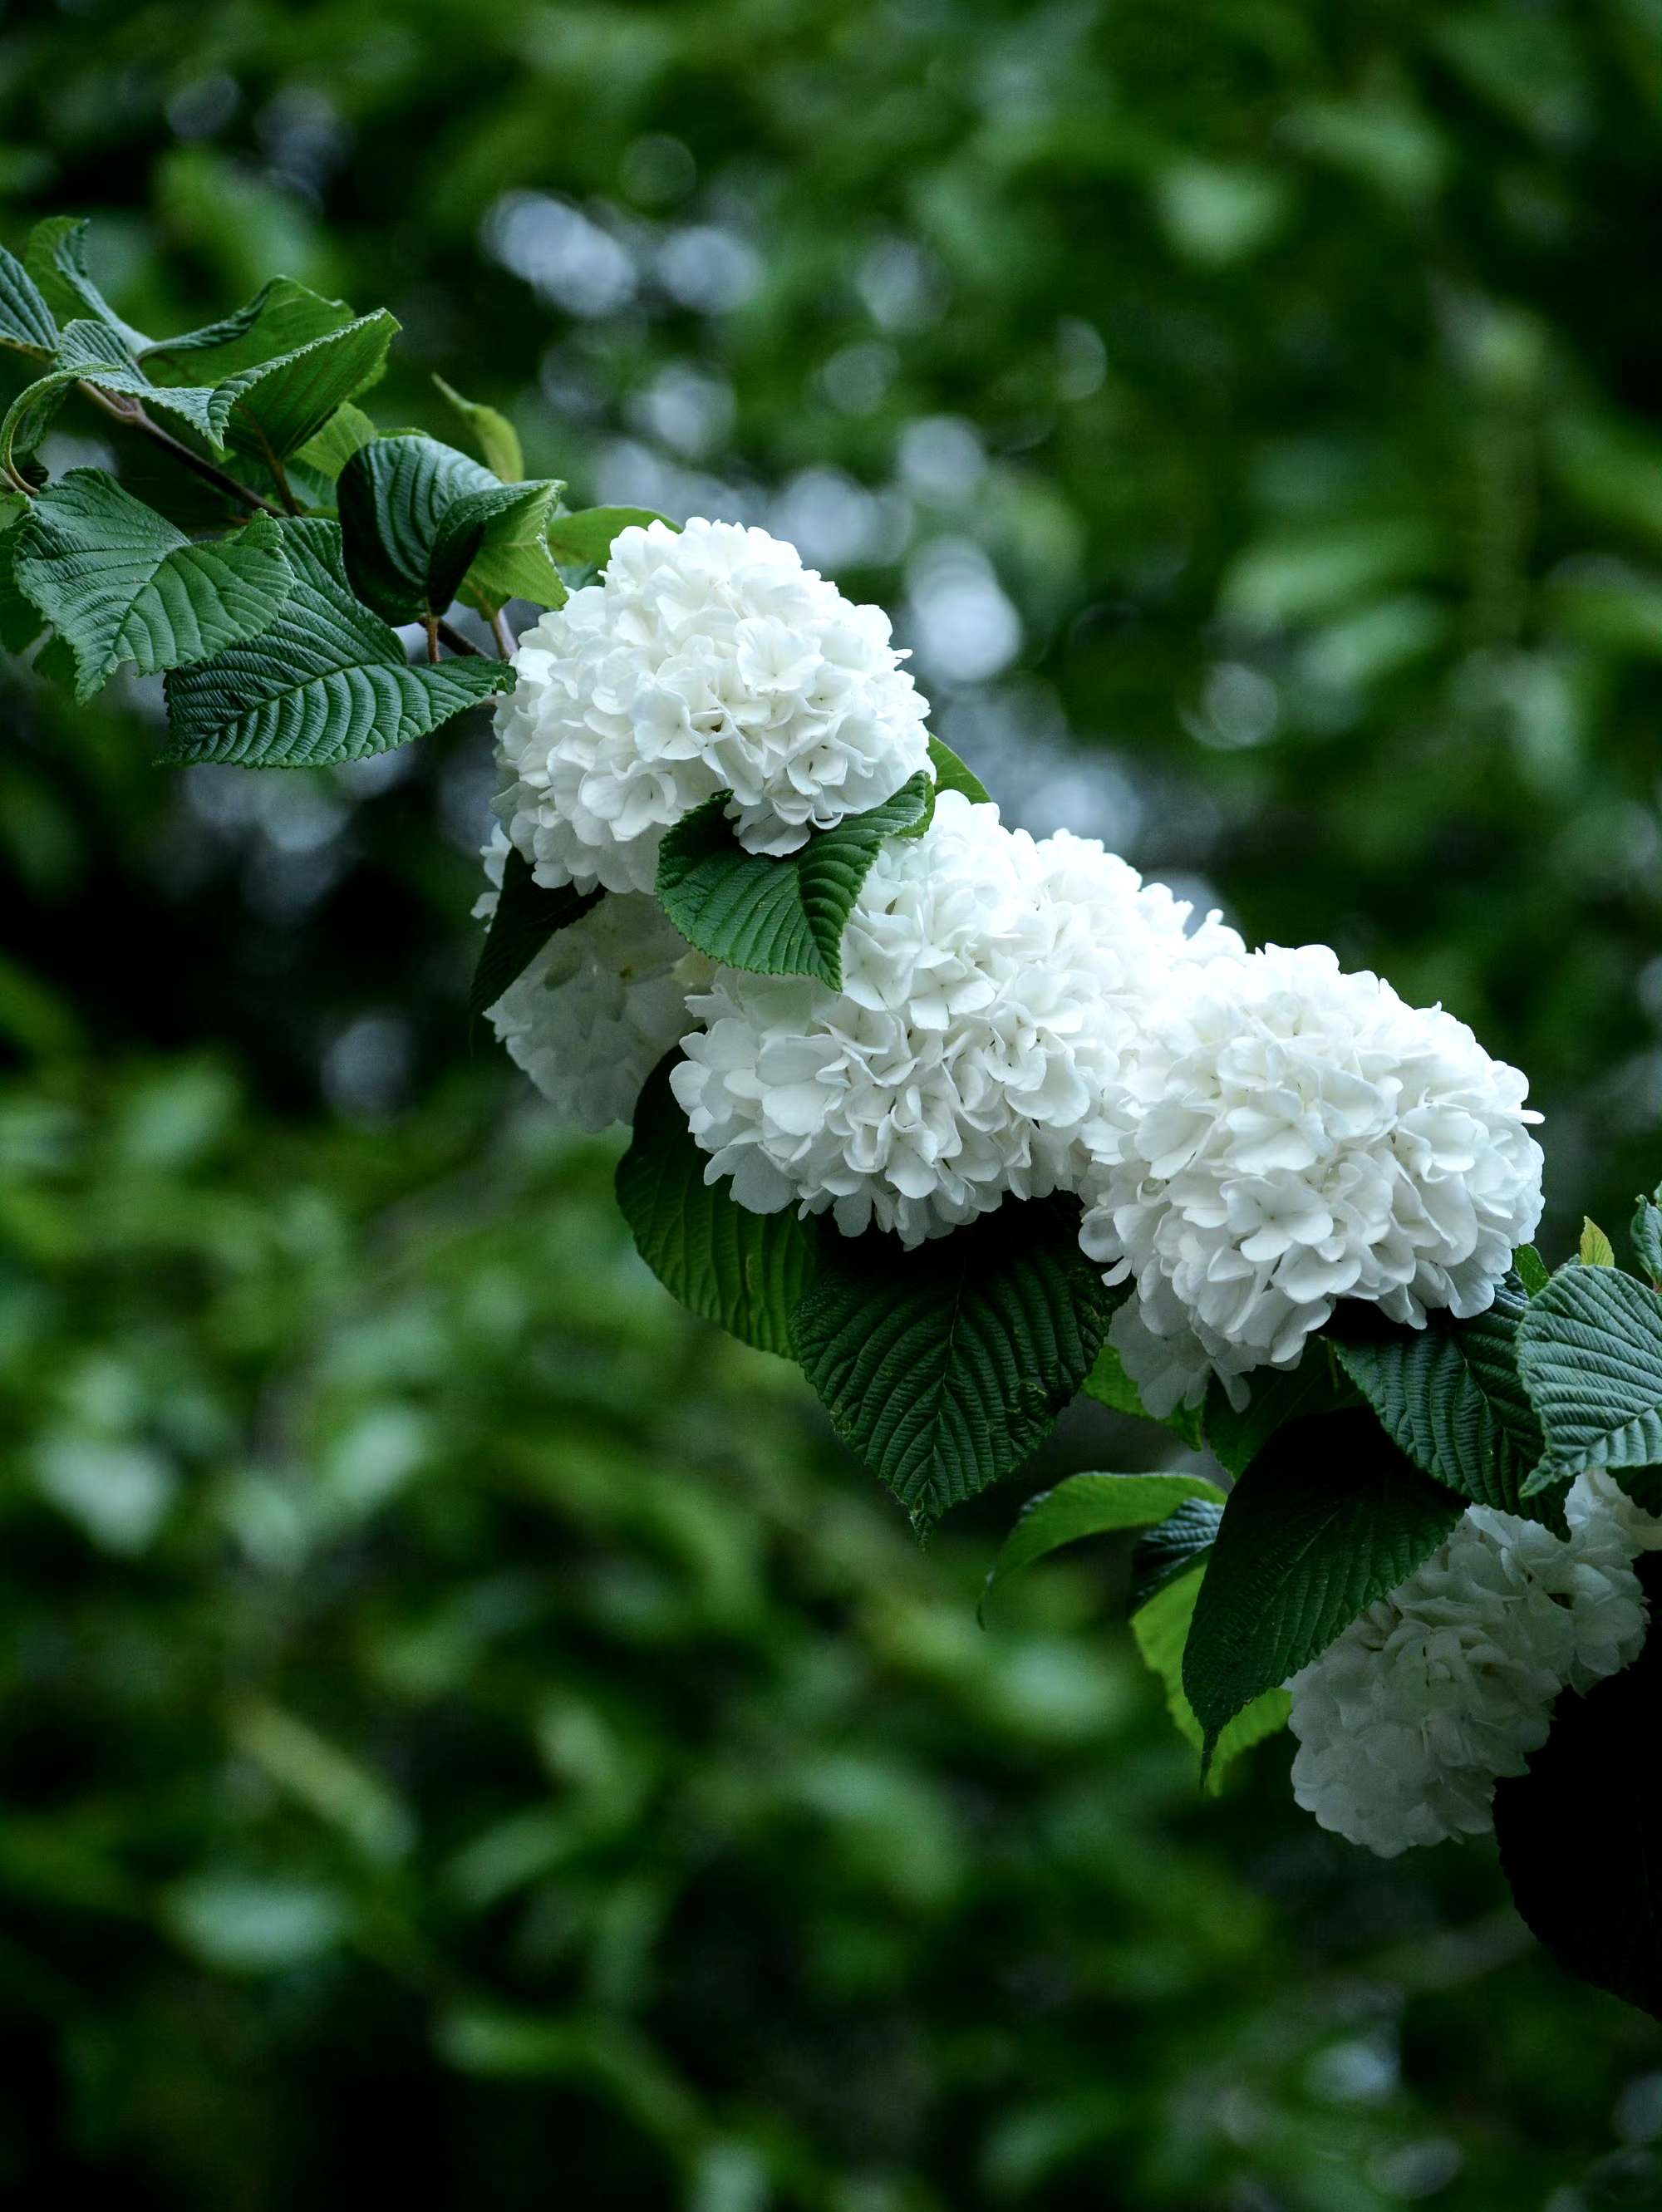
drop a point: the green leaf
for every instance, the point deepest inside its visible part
(347, 429)
(1161, 1629)
(512, 562)
(945, 1367)
(282, 317)
(1596, 1250)
(745, 1271)
(1091, 1505)
(584, 540)
(1278, 1396)
(1111, 1386)
(1433, 1404)
(1531, 1270)
(20, 622)
(26, 321)
(91, 353)
(1590, 1351)
(418, 517)
(1647, 1234)
(1329, 1516)
(56, 258)
(950, 774)
(326, 682)
(527, 916)
(279, 406)
(774, 917)
(499, 441)
(1183, 1539)
(118, 583)
(1580, 1833)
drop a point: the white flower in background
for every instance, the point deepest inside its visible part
(1406, 1722)
(599, 1007)
(705, 659)
(992, 988)
(1299, 1135)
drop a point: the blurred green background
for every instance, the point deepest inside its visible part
(466, 1729)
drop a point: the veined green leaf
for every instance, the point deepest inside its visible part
(1111, 1386)
(1647, 1234)
(776, 917)
(1162, 1628)
(347, 429)
(945, 1367)
(742, 1270)
(92, 353)
(1596, 1250)
(1329, 1516)
(26, 321)
(1441, 1403)
(1277, 1395)
(1531, 1270)
(1092, 1505)
(277, 407)
(56, 259)
(326, 682)
(421, 523)
(527, 916)
(118, 583)
(584, 540)
(1590, 1351)
(1183, 1539)
(499, 441)
(282, 317)
(20, 621)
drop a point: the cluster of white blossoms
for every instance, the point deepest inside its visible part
(601, 1005)
(1297, 1135)
(705, 659)
(1253, 1137)
(1407, 1722)
(994, 990)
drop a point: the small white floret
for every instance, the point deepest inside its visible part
(705, 659)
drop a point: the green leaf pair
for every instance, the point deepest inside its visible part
(423, 525)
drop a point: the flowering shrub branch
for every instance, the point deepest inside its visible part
(962, 1122)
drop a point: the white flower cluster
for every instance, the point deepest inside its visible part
(599, 1007)
(705, 659)
(1297, 1135)
(1407, 1722)
(992, 991)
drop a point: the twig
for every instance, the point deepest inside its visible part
(504, 636)
(452, 637)
(131, 412)
(434, 626)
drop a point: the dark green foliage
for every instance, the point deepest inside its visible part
(943, 1367)
(1590, 1349)
(56, 259)
(747, 1272)
(276, 406)
(1183, 1540)
(282, 317)
(1278, 1396)
(1111, 1386)
(778, 917)
(119, 584)
(26, 320)
(1450, 1397)
(326, 682)
(527, 916)
(498, 441)
(583, 541)
(1329, 1516)
(416, 516)
(1647, 1234)
(1092, 1505)
(1580, 1834)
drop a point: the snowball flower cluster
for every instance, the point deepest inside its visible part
(1297, 1135)
(705, 659)
(992, 990)
(599, 1007)
(1407, 1721)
